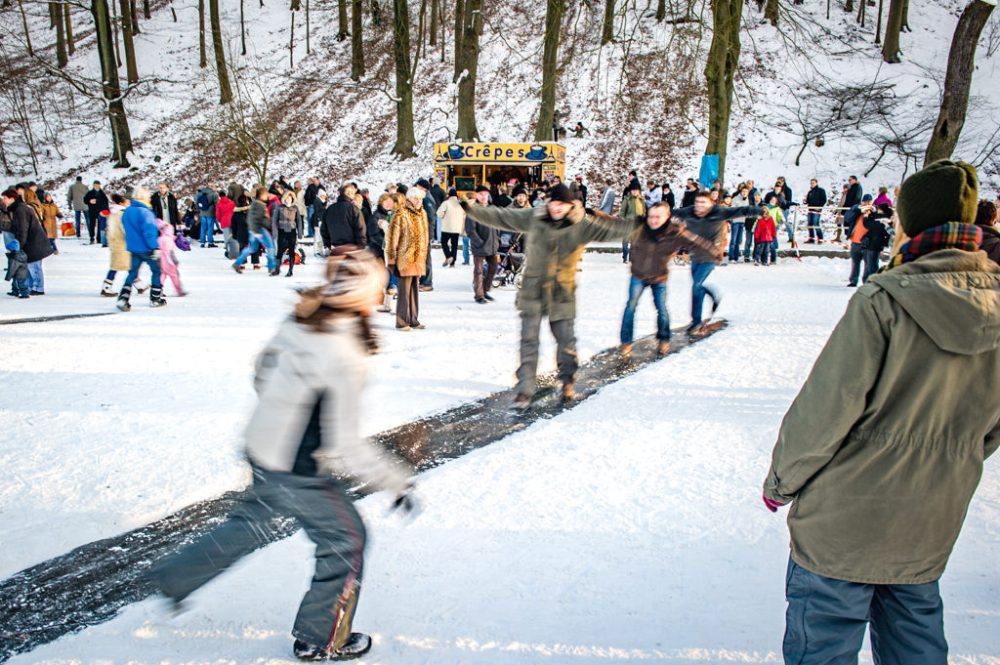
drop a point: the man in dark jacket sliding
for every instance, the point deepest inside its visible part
(708, 220)
(881, 451)
(484, 245)
(342, 223)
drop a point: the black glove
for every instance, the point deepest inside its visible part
(464, 204)
(406, 502)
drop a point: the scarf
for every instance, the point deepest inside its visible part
(952, 235)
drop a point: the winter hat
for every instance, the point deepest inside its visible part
(14, 246)
(867, 198)
(562, 193)
(422, 183)
(944, 191)
(452, 191)
(355, 280)
(401, 188)
(482, 188)
(518, 191)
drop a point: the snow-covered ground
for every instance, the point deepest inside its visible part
(628, 529)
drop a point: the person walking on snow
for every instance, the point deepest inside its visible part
(557, 233)
(97, 201)
(77, 203)
(406, 247)
(708, 220)
(633, 210)
(121, 260)
(142, 239)
(484, 244)
(168, 259)
(881, 451)
(654, 244)
(259, 228)
(207, 199)
(304, 435)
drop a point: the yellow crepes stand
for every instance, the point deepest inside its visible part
(464, 166)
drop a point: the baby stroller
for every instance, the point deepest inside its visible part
(511, 260)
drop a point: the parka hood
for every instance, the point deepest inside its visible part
(953, 295)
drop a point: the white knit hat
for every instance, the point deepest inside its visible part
(355, 281)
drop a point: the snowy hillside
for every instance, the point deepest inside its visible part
(641, 96)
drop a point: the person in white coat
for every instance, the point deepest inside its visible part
(452, 226)
(303, 436)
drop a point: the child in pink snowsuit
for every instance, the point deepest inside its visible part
(168, 262)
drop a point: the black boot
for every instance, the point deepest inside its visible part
(357, 645)
(123, 298)
(156, 298)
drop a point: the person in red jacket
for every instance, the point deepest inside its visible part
(224, 214)
(763, 236)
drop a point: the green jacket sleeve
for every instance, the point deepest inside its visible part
(597, 226)
(504, 219)
(992, 441)
(830, 402)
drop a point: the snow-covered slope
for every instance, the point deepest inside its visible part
(641, 96)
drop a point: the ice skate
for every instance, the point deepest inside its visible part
(568, 394)
(124, 297)
(357, 645)
(156, 298)
(108, 289)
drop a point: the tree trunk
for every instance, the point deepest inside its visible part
(862, 12)
(661, 10)
(471, 31)
(135, 18)
(67, 13)
(357, 46)
(308, 31)
(608, 27)
(61, 58)
(878, 23)
(202, 56)
(341, 20)
(173, 12)
(957, 81)
(906, 15)
(24, 22)
(114, 32)
(131, 69)
(243, 30)
(723, 57)
(291, 44)
(849, 6)
(52, 14)
(771, 12)
(405, 140)
(146, 13)
(435, 10)
(225, 92)
(121, 136)
(459, 28)
(890, 48)
(546, 112)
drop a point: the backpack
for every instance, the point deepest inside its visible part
(203, 200)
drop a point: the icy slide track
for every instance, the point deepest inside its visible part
(90, 584)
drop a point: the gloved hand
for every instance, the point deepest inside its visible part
(771, 504)
(576, 214)
(406, 502)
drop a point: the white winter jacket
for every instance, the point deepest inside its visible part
(452, 216)
(298, 369)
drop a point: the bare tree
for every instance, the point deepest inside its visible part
(459, 34)
(222, 72)
(471, 30)
(958, 80)
(357, 45)
(243, 29)
(771, 11)
(24, 22)
(342, 28)
(546, 112)
(146, 13)
(405, 140)
(435, 19)
(202, 53)
(70, 45)
(62, 59)
(131, 68)
(890, 49)
(723, 58)
(608, 26)
(121, 135)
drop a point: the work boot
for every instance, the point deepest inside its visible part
(521, 402)
(108, 289)
(357, 645)
(626, 352)
(568, 393)
(662, 348)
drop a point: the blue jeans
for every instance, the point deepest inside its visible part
(635, 288)
(626, 250)
(815, 230)
(258, 240)
(137, 261)
(748, 229)
(21, 287)
(788, 228)
(310, 211)
(207, 227)
(699, 273)
(78, 214)
(465, 250)
(36, 279)
(826, 621)
(735, 240)
(102, 230)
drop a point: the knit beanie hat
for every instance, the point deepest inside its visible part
(944, 191)
(562, 193)
(354, 282)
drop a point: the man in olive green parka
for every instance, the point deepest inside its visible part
(882, 450)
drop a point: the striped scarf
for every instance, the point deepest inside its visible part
(952, 235)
